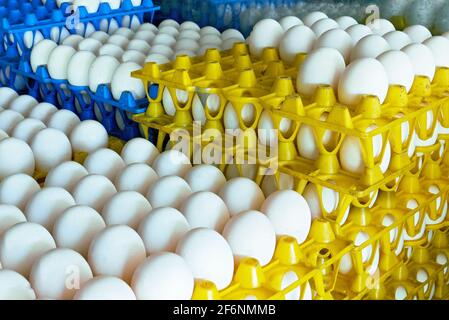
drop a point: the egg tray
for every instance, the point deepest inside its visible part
(9, 77)
(18, 19)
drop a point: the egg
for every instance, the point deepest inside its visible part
(64, 121)
(266, 33)
(209, 30)
(89, 136)
(191, 35)
(13, 286)
(139, 150)
(146, 36)
(323, 25)
(270, 185)
(110, 26)
(66, 268)
(205, 178)
(398, 67)
(170, 163)
(116, 251)
(439, 45)
(354, 83)
(78, 68)
(251, 234)
(163, 276)
(125, 32)
(7, 95)
(101, 71)
(345, 22)
(139, 45)
(169, 22)
(104, 162)
(127, 208)
(43, 112)
(336, 39)
(241, 194)
(422, 59)
(58, 61)
(229, 43)
(289, 22)
(189, 25)
(23, 104)
(370, 46)
(169, 30)
(90, 45)
(118, 40)
(91, 6)
(41, 52)
(236, 34)
(418, 33)
(329, 199)
(298, 39)
(17, 190)
(323, 66)
(112, 50)
(157, 58)
(134, 56)
(162, 49)
(30, 39)
(289, 213)
(397, 39)
(187, 44)
(164, 40)
(148, 27)
(17, 157)
(100, 36)
(66, 175)
(3, 135)
(168, 191)
(22, 245)
(313, 17)
(94, 191)
(137, 177)
(9, 119)
(72, 41)
(381, 26)
(358, 32)
(210, 39)
(105, 288)
(208, 255)
(122, 81)
(10, 216)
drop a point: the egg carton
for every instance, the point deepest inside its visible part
(23, 23)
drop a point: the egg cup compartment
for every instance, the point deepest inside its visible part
(9, 77)
(24, 23)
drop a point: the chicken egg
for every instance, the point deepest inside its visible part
(210, 39)
(146, 36)
(358, 32)
(157, 58)
(422, 60)
(105, 288)
(104, 162)
(266, 33)
(101, 71)
(3, 134)
(162, 49)
(90, 45)
(169, 30)
(41, 52)
(78, 68)
(370, 46)
(17, 157)
(418, 33)
(187, 44)
(170, 23)
(168, 191)
(122, 81)
(116, 251)
(23, 105)
(208, 255)
(190, 34)
(205, 178)
(209, 30)
(43, 112)
(9, 119)
(58, 61)
(89, 136)
(91, 6)
(345, 22)
(66, 175)
(100, 36)
(14, 286)
(241, 194)
(139, 45)
(7, 95)
(17, 190)
(397, 40)
(189, 25)
(329, 198)
(10, 216)
(313, 17)
(381, 26)
(94, 191)
(270, 185)
(299, 39)
(125, 32)
(163, 276)
(72, 41)
(112, 50)
(139, 150)
(439, 46)
(64, 121)
(229, 43)
(323, 25)
(336, 39)
(289, 213)
(289, 22)
(118, 40)
(164, 40)
(236, 34)
(148, 27)
(398, 67)
(172, 162)
(137, 177)
(30, 39)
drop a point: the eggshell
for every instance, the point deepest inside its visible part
(139, 150)
(13, 286)
(289, 22)
(345, 22)
(112, 50)
(41, 52)
(323, 66)
(169, 22)
(66, 268)
(58, 61)
(236, 34)
(323, 25)
(370, 46)
(205, 178)
(251, 234)
(399, 68)
(157, 58)
(90, 44)
(76, 227)
(422, 59)
(187, 44)
(172, 31)
(127, 208)
(148, 27)
(100, 36)
(354, 83)
(299, 39)
(202, 50)
(104, 162)
(116, 251)
(329, 199)
(189, 25)
(208, 255)
(190, 34)
(266, 33)
(125, 32)
(163, 276)
(105, 288)
(90, 5)
(164, 40)
(229, 43)
(17, 189)
(172, 162)
(209, 30)
(381, 26)
(146, 36)
(72, 41)
(118, 40)
(418, 33)
(30, 39)
(7, 95)
(101, 71)
(162, 49)
(78, 68)
(313, 17)
(122, 81)
(9, 216)
(3, 135)
(358, 32)
(43, 112)
(94, 191)
(168, 191)
(289, 213)
(22, 245)
(139, 45)
(17, 157)
(66, 175)
(137, 177)
(397, 39)
(9, 119)
(336, 39)
(439, 46)
(47, 205)
(23, 105)
(210, 39)
(64, 121)
(241, 194)
(89, 136)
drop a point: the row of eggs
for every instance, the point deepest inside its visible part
(93, 5)
(69, 206)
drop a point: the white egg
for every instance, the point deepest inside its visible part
(329, 199)
(66, 268)
(90, 44)
(76, 227)
(146, 36)
(30, 39)
(100, 36)
(299, 39)
(9, 119)
(251, 234)
(122, 81)
(306, 141)
(370, 46)
(399, 68)
(148, 27)
(116, 251)
(43, 112)
(66, 175)
(266, 33)
(127, 208)
(172, 162)
(418, 33)
(47, 205)
(41, 52)
(210, 39)
(7, 95)
(381, 26)
(64, 121)
(358, 32)
(3, 134)
(168, 191)
(105, 288)
(209, 30)
(112, 50)
(241, 194)
(169, 22)
(118, 40)
(125, 32)
(14, 286)
(91, 6)
(139, 45)
(22, 245)
(289, 22)
(234, 34)
(58, 61)
(345, 22)
(164, 40)
(72, 41)
(163, 276)
(270, 185)
(23, 105)
(313, 17)
(10, 216)
(397, 39)
(187, 44)
(190, 34)
(208, 255)
(139, 150)
(101, 71)
(89, 136)
(439, 46)
(336, 39)
(323, 25)
(104, 162)
(137, 177)
(94, 191)
(17, 157)
(323, 66)
(157, 58)
(17, 190)
(189, 25)
(162, 50)
(172, 31)
(354, 83)
(205, 178)
(78, 68)
(422, 60)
